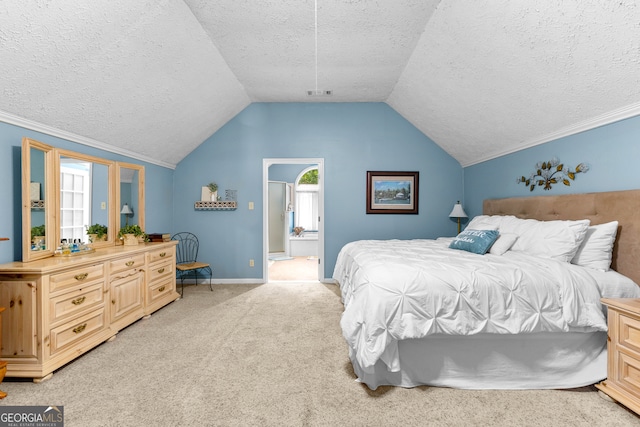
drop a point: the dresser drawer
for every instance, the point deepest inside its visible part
(629, 374)
(161, 254)
(76, 277)
(629, 333)
(67, 334)
(161, 270)
(75, 302)
(134, 261)
(160, 289)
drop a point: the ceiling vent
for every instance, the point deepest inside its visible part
(319, 93)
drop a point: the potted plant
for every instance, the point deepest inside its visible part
(38, 231)
(37, 237)
(213, 187)
(97, 233)
(129, 234)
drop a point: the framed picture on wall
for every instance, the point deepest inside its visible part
(392, 192)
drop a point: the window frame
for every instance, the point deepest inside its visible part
(84, 210)
(314, 189)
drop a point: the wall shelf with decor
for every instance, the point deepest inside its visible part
(216, 203)
(37, 204)
(220, 205)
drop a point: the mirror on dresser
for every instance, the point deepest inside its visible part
(129, 195)
(38, 205)
(85, 192)
(65, 192)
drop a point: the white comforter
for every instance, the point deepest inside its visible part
(401, 289)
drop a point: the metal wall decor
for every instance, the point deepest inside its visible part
(552, 172)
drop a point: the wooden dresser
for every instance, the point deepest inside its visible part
(58, 308)
(623, 366)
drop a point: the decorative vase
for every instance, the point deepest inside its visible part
(94, 238)
(214, 196)
(130, 240)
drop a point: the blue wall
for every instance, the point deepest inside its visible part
(613, 151)
(159, 186)
(99, 193)
(352, 138)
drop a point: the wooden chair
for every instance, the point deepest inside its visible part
(186, 259)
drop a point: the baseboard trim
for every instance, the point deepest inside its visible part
(255, 281)
(224, 281)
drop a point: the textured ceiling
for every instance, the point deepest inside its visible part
(156, 78)
(139, 75)
(363, 46)
(493, 76)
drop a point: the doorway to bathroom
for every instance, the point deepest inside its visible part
(293, 236)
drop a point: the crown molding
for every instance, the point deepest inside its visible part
(598, 121)
(58, 133)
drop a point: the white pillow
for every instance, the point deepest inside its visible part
(485, 222)
(557, 240)
(597, 247)
(503, 244)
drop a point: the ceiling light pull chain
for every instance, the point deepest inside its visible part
(317, 92)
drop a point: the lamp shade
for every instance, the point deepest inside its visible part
(457, 211)
(126, 210)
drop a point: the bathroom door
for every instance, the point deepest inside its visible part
(277, 200)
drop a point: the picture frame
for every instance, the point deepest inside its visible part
(392, 192)
(34, 191)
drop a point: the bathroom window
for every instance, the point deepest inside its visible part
(307, 188)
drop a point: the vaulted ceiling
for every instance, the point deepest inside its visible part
(155, 78)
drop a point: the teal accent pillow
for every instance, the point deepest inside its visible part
(475, 241)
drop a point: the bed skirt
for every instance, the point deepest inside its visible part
(493, 361)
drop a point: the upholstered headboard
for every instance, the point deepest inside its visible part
(621, 206)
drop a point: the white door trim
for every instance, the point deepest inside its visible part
(265, 210)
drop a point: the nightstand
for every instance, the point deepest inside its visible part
(623, 348)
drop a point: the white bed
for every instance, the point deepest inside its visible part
(418, 312)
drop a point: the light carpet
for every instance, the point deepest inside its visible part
(272, 355)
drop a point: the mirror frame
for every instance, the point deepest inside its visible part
(140, 208)
(51, 193)
(48, 190)
(111, 167)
